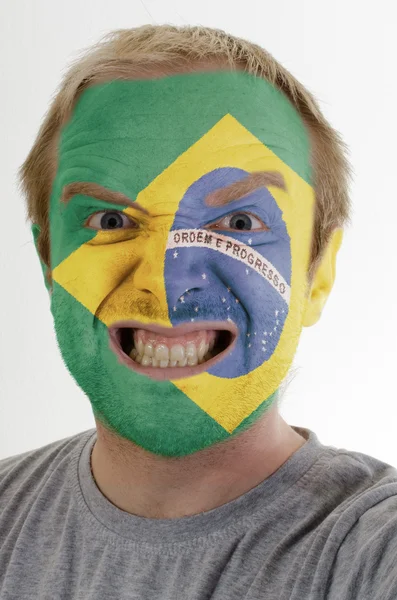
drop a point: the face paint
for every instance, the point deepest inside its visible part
(186, 256)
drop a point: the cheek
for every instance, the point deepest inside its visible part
(221, 264)
(206, 284)
(92, 272)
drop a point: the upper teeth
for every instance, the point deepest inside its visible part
(176, 356)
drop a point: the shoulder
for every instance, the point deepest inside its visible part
(343, 477)
(24, 472)
(365, 565)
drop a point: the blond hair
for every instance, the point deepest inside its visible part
(117, 54)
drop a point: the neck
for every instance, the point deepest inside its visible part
(156, 487)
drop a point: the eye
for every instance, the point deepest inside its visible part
(240, 222)
(110, 219)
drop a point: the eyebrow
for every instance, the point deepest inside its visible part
(99, 192)
(239, 189)
(219, 197)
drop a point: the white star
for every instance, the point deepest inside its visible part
(276, 313)
(282, 311)
(254, 332)
(192, 320)
(247, 271)
(204, 276)
(182, 300)
(250, 241)
(276, 322)
(228, 308)
(174, 308)
(263, 341)
(248, 334)
(249, 345)
(196, 309)
(271, 333)
(230, 320)
(175, 254)
(223, 299)
(264, 349)
(265, 333)
(274, 328)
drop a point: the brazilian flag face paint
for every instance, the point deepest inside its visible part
(181, 254)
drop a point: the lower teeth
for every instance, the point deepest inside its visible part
(147, 361)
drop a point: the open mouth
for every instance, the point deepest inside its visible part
(171, 353)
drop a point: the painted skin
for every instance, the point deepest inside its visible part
(165, 146)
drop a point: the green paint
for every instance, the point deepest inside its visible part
(36, 232)
(121, 135)
(158, 414)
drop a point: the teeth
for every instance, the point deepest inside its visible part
(139, 346)
(191, 354)
(177, 352)
(191, 349)
(149, 350)
(179, 355)
(161, 353)
(202, 350)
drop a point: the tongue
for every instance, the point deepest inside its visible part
(146, 336)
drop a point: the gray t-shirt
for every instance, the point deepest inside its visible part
(323, 526)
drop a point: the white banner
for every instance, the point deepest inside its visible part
(203, 238)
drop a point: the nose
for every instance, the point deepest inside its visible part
(148, 275)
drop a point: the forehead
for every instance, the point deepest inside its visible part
(123, 133)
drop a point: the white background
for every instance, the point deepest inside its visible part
(342, 384)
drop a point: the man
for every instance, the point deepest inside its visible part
(188, 200)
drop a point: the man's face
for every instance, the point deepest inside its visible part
(213, 246)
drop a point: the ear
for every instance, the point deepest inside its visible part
(36, 232)
(323, 281)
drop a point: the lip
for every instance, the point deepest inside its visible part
(161, 374)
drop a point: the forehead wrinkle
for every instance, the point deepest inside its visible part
(242, 188)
